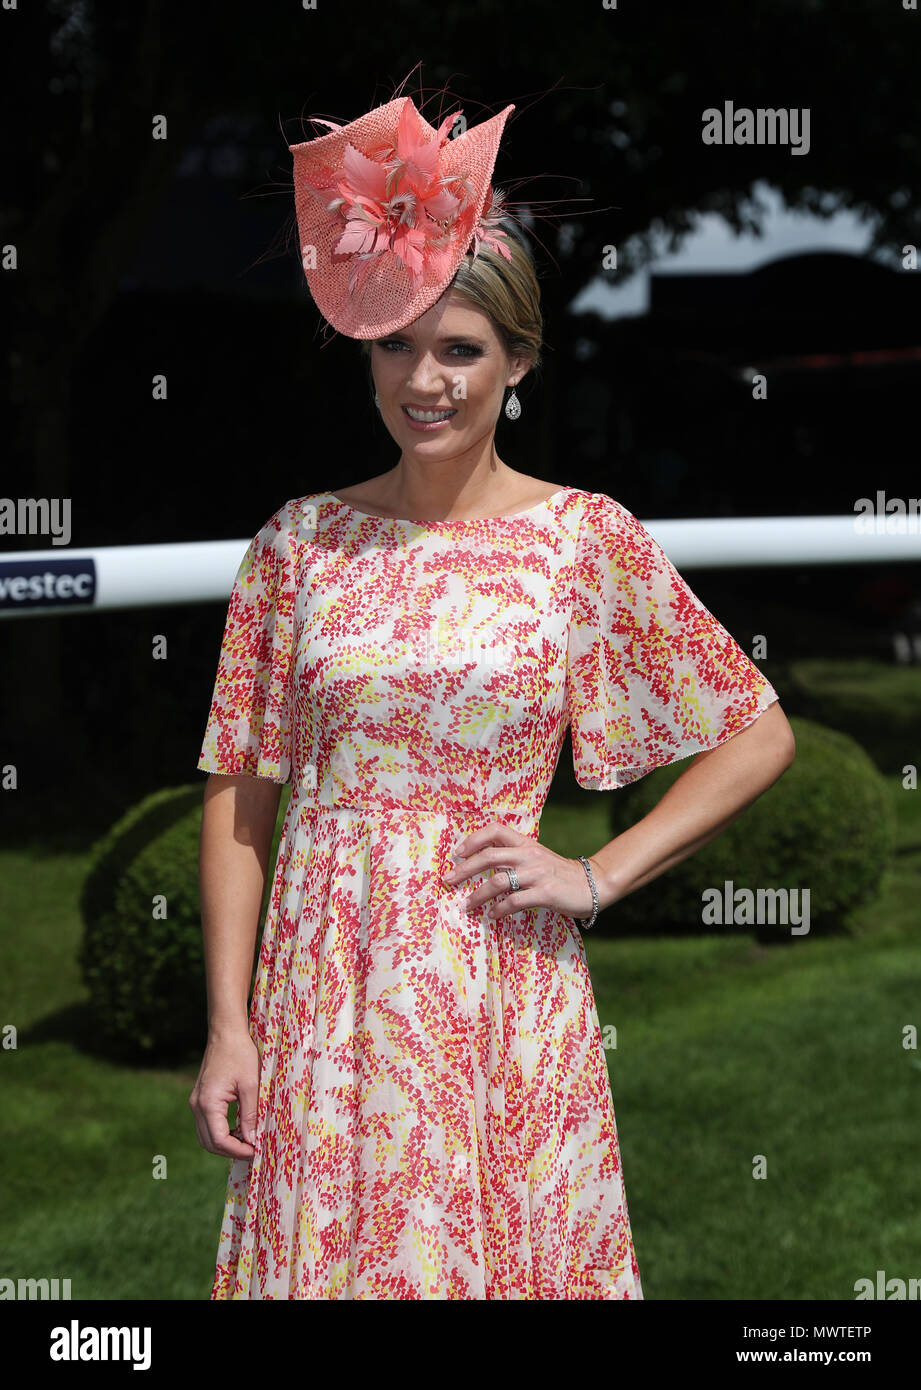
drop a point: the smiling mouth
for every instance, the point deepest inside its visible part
(427, 417)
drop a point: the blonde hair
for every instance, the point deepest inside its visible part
(505, 290)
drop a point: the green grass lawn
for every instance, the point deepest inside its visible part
(725, 1050)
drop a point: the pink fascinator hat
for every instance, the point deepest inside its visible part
(387, 207)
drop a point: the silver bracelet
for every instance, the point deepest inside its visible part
(586, 922)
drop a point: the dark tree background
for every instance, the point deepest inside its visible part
(138, 256)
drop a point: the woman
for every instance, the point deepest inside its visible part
(424, 1104)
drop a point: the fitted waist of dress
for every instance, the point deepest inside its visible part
(470, 816)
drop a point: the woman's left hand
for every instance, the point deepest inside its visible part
(547, 879)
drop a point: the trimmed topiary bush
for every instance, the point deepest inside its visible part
(145, 970)
(875, 702)
(826, 826)
(142, 953)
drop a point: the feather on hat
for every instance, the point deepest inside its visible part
(387, 207)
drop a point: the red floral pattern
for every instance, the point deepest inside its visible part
(435, 1118)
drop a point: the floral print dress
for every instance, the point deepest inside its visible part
(435, 1118)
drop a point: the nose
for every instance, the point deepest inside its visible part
(427, 377)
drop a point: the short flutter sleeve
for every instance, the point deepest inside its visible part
(249, 726)
(652, 676)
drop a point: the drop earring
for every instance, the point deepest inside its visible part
(377, 400)
(513, 406)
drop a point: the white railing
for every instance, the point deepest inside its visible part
(65, 580)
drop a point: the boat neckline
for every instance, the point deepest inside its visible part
(453, 521)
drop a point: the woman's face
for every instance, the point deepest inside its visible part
(449, 363)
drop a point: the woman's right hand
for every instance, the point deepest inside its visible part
(229, 1072)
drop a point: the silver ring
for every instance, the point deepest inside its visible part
(513, 880)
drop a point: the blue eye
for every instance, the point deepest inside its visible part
(465, 349)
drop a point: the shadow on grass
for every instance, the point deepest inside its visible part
(76, 1026)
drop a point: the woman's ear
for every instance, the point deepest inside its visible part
(519, 367)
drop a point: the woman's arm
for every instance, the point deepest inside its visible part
(238, 821)
(718, 786)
